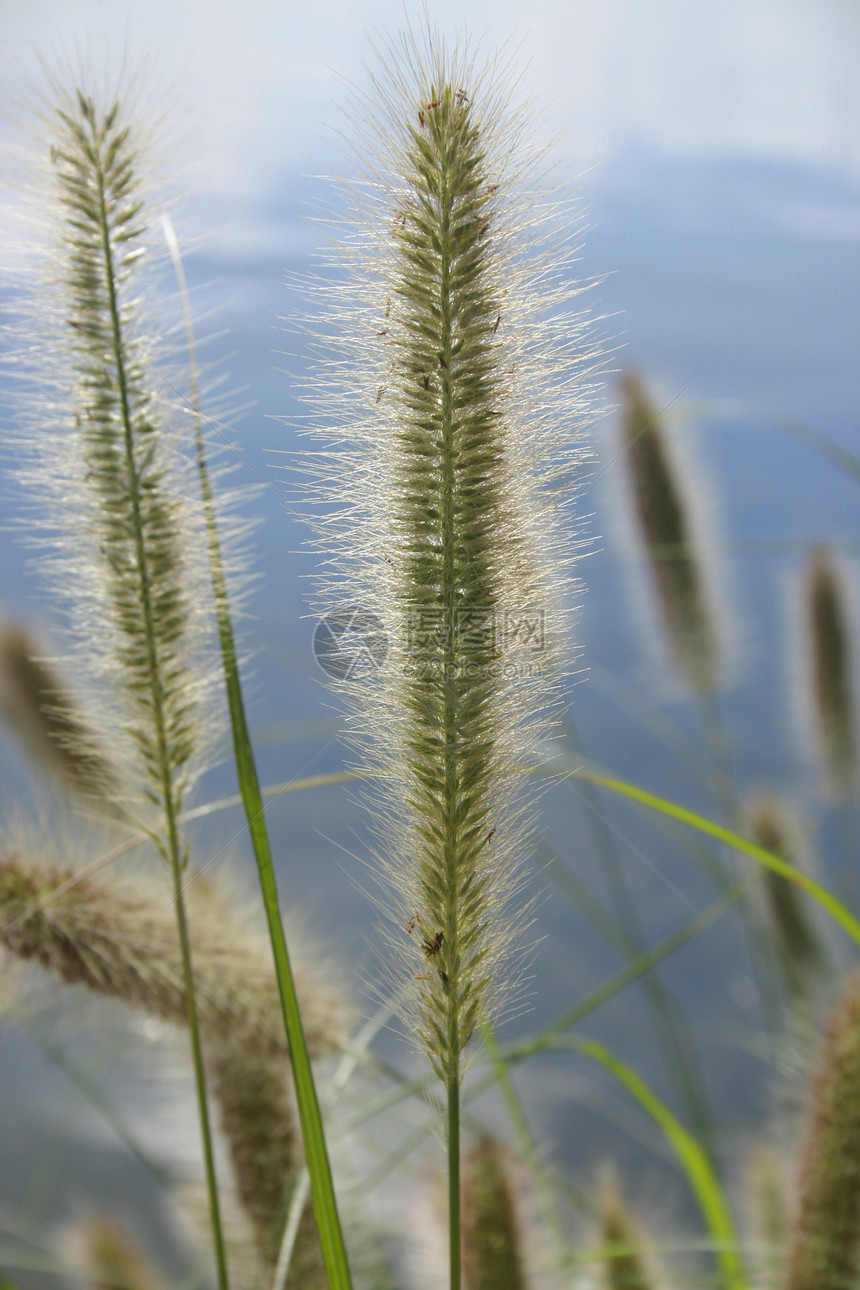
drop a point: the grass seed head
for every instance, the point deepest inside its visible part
(621, 1243)
(830, 674)
(121, 543)
(825, 1243)
(111, 1260)
(788, 914)
(38, 705)
(663, 514)
(460, 376)
(119, 939)
(492, 1240)
(259, 1121)
(768, 1207)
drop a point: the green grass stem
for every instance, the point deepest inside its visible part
(452, 1091)
(674, 811)
(693, 1159)
(316, 1152)
(677, 1045)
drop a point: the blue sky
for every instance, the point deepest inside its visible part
(257, 82)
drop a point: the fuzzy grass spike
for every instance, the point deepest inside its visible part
(459, 394)
(124, 512)
(112, 1261)
(622, 1245)
(824, 1247)
(259, 1121)
(795, 941)
(119, 940)
(830, 671)
(38, 706)
(492, 1242)
(663, 514)
(110, 489)
(767, 1198)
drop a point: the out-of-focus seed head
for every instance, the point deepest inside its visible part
(824, 1249)
(624, 1265)
(662, 501)
(788, 914)
(492, 1239)
(38, 706)
(118, 939)
(110, 1259)
(830, 663)
(768, 1207)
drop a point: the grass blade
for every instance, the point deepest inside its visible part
(550, 1035)
(693, 1159)
(775, 863)
(316, 1152)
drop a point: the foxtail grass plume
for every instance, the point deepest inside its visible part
(260, 1124)
(120, 542)
(768, 1205)
(110, 490)
(119, 940)
(830, 671)
(111, 1260)
(37, 705)
(622, 1245)
(793, 936)
(824, 1249)
(492, 1239)
(453, 379)
(663, 514)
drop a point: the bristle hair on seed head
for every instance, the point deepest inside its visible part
(97, 429)
(454, 375)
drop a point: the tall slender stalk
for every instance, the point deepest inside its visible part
(319, 1167)
(452, 535)
(129, 597)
